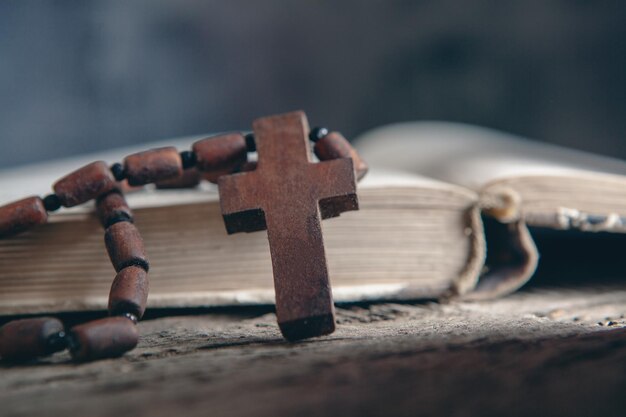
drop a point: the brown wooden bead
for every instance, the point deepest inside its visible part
(105, 338)
(190, 178)
(154, 165)
(84, 184)
(29, 338)
(125, 246)
(214, 176)
(220, 154)
(129, 292)
(126, 189)
(248, 166)
(112, 207)
(21, 215)
(335, 146)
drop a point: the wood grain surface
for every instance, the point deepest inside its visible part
(545, 352)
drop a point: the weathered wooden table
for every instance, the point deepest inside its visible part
(539, 352)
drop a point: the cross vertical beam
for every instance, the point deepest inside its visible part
(284, 195)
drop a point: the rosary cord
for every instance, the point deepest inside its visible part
(112, 336)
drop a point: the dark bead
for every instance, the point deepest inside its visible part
(131, 317)
(118, 171)
(129, 292)
(112, 208)
(57, 341)
(250, 143)
(21, 215)
(51, 202)
(105, 338)
(317, 133)
(188, 158)
(30, 338)
(125, 246)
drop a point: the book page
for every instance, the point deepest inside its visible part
(546, 185)
(473, 156)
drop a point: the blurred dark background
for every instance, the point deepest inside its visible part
(86, 75)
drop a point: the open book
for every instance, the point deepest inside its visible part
(418, 234)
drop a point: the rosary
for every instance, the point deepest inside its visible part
(284, 193)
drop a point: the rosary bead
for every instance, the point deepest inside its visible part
(248, 166)
(21, 215)
(213, 176)
(334, 146)
(250, 142)
(153, 165)
(220, 154)
(30, 338)
(105, 338)
(189, 179)
(245, 167)
(317, 133)
(84, 184)
(131, 317)
(188, 159)
(112, 208)
(129, 292)
(125, 246)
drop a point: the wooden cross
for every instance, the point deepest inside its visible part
(288, 195)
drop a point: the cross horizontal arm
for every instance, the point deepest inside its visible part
(336, 187)
(241, 203)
